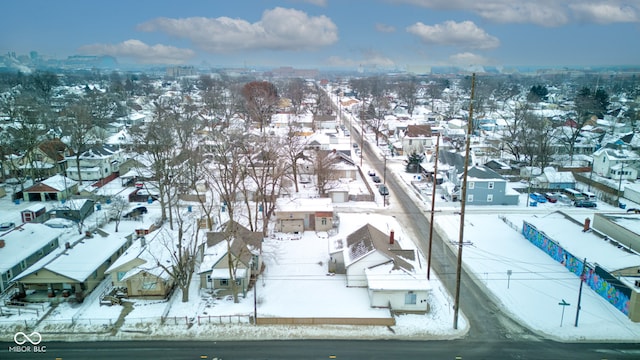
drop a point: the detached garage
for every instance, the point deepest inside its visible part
(55, 188)
(292, 225)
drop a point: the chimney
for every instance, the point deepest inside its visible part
(1, 243)
(67, 245)
(587, 225)
(391, 237)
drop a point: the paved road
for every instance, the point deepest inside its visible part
(487, 321)
(325, 349)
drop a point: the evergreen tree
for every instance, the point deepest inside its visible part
(413, 162)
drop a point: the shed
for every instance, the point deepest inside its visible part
(36, 213)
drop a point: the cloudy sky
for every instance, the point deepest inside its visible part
(329, 33)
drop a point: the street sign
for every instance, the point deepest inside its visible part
(564, 304)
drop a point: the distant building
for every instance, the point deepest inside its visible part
(178, 71)
(290, 72)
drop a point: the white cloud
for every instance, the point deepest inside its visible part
(322, 3)
(141, 52)
(467, 59)
(606, 13)
(279, 29)
(384, 28)
(540, 12)
(463, 34)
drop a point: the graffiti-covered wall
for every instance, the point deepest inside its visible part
(596, 277)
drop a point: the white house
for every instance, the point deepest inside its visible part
(96, 163)
(614, 164)
(393, 275)
(417, 139)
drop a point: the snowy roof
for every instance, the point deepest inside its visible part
(59, 182)
(23, 241)
(556, 177)
(615, 154)
(482, 173)
(582, 244)
(150, 251)
(81, 259)
(368, 239)
(304, 205)
(36, 165)
(388, 277)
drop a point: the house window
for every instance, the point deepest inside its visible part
(410, 298)
(238, 281)
(490, 198)
(121, 275)
(410, 142)
(149, 285)
(208, 278)
(224, 282)
(23, 264)
(470, 198)
(472, 184)
(9, 274)
(491, 184)
(323, 221)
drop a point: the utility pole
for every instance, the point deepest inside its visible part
(620, 183)
(463, 201)
(433, 204)
(255, 302)
(582, 275)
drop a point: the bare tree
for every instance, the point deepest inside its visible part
(78, 130)
(267, 171)
(24, 136)
(118, 206)
(227, 173)
(325, 170)
(261, 100)
(183, 246)
(297, 91)
(407, 91)
(157, 142)
(293, 149)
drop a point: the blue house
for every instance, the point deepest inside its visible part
(487, 187)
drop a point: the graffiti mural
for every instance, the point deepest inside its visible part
(597, 279)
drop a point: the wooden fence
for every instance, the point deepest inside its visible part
(327, 321)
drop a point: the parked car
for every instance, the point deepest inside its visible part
(383, 190)
(585, 203)
(372, 173)
(355, 146)
(7, 226)
(563, 199)
(376, 179)
(552, 198)
(140, 210)
(538, 197)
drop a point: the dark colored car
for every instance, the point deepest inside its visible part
(376, 179)
(552, 198)
(136, 212)
(383, 190)
(7, 226)
(585, 203)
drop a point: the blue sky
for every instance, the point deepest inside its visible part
(330, 33)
